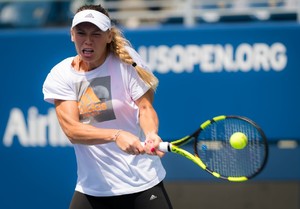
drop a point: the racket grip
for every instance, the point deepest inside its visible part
(164, 146)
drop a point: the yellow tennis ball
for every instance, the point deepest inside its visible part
(238, 140)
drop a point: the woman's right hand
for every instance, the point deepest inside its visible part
(129, 143)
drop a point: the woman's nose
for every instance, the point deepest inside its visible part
(88, 39)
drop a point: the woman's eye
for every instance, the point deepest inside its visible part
(80, 33)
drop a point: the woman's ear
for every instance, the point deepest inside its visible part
(72, 35)
(110, 37)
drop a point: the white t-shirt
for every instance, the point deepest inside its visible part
(105, 99)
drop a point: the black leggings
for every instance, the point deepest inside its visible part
(153, 198)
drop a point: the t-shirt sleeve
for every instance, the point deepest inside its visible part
(137, 87)
(56, 86)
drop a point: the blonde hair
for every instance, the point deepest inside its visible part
(118, 47)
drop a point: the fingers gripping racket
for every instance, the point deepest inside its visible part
(233, 148)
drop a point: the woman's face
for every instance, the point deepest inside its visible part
(91, 43)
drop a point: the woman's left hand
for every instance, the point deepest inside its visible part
(151, 144)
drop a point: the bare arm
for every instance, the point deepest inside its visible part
(149, 123)
(147, 115)
(79, 133)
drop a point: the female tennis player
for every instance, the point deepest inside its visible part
(103, 99)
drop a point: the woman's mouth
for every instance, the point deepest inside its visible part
(87, 52)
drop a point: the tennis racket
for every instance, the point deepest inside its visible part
(214, 152)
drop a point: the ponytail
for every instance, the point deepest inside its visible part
(118, 47)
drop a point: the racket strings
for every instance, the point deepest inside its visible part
(219, 156)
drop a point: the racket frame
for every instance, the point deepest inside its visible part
(174, 147)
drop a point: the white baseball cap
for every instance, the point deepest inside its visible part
(97, 18)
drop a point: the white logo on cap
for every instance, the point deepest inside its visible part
(89, 15)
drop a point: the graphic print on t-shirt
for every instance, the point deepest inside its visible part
(95, 103)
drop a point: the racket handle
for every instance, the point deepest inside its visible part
(163, 146)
